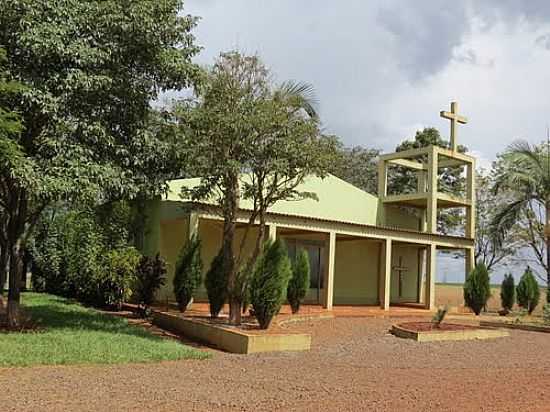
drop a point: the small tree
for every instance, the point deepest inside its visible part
(477, 289)
(527, 291)
(216, 285)
(269, 282)
(188, 273)
(150, 276)
(299, 282)
(508, 292)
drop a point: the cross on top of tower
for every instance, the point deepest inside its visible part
(455, 118)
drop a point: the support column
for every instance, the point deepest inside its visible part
(469, 260)
(382, 190)
(272, 234)
(422, 264)
(385, 274)
(430, 276)
(432, 191)
(329, 278)
(471, 196)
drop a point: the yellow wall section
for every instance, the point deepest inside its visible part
(409, 255)
(356, 272)
(173, 235)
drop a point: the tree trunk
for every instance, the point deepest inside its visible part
(3, 272)
(14, 293)
(231, 206)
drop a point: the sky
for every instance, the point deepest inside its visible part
(384, 69)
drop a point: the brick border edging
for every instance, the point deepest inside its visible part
(440, 336)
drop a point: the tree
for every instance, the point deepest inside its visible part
(252, 139)
(523, 177)
(477, 289)
(508, 292)
(215, 282)
(90, 70)
(299, 282)
(528, 291)
(269, 282)
(188, 274)
(450, 179)
(10, 153)
(359, 166)
(488, 249)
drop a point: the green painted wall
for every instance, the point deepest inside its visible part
(356, 272)
(151, 228)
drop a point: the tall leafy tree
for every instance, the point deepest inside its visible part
(523, 177)
(450, 179)
(252, 139)
(489, 249)
(359, 166)
(91, 69)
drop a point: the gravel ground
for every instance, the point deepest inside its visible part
(353, 365)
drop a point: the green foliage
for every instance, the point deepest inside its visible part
(359, 166)
(150, 276)
(477, 289)
(188, 272)
(71, 334)
(528, 291)
(74, 257)
(216, 285)
(299, 282)
(439, 316)
(269, 282)
(508, 292)
(546, 314)
(523, 179)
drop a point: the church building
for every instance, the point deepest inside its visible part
(363, 249)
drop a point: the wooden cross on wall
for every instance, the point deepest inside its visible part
(400, 269)
(455, 118)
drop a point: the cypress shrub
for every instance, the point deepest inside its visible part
(299, 282)
(546, 314)
(216, 285)
(188, 273)
(269, 282)
(477, 290)
(508, 292)
(527, 291)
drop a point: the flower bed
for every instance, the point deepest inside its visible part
(427, 332)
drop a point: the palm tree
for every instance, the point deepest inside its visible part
(524, 175)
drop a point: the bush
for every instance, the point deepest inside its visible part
(150, 276)
(299, 282)
(439, 316)
(269, 282)
(115, 282)
(216, 285)
(527, 291)
(508, 292)
(477, 290)
(188, 273)
(546, 314)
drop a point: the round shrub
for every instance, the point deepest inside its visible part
(508, 292)
(216, 285)
(188, 273)
(299, 282)
(269, 282)
(527, 291)
(477, 290)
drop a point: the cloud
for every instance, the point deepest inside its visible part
(384, 69)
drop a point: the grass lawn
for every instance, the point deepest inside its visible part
(73, 334)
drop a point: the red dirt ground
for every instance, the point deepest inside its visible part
(354, 364)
